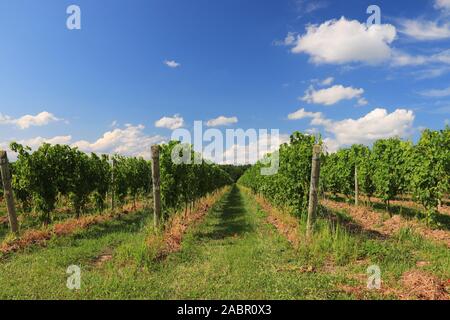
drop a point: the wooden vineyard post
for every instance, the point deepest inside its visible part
(113, 202)
(313, 190)
(8, 193)
(156, 186)
(356, 187)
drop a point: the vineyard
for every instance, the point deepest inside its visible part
(63, 181)
(392, 168)
(201, 230)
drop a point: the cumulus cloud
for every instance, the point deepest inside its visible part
(425, 30)
(27, 121)
(222, 121)
(344, 41)
(332, 95)
(171, 123)
(128, 141)
(172, 64)
(378, 124)
(254, 150)
(34, 143)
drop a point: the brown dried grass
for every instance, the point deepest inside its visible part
(413, 285)
(417, 284)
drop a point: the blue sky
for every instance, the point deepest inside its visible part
(258, 64)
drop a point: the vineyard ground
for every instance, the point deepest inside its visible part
(235, 253)
(32, 221)
(404, 215)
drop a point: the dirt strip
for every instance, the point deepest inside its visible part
(444, 209)
(373, 221)
(68, 227)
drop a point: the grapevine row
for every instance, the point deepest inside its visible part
(59, 173)
(392, 167)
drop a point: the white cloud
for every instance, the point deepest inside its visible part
(437, 93)
(430, 73)
(362, 102)
(443, 57)
(305, 6)
(378, 124)
(222, 121)
(344, 41)
(401, 59)
(129, 141)
(332, 95)
(28, 121)
(172, 64)
(425, 30)
(34, 143)
(290, 39)
(171, 123)
(253, 151)
(442, 4)
(302, 114)
(323, 82)
(328, 81)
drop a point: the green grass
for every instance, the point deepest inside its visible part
(233, 254)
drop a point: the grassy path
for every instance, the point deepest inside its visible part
(232, 254)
